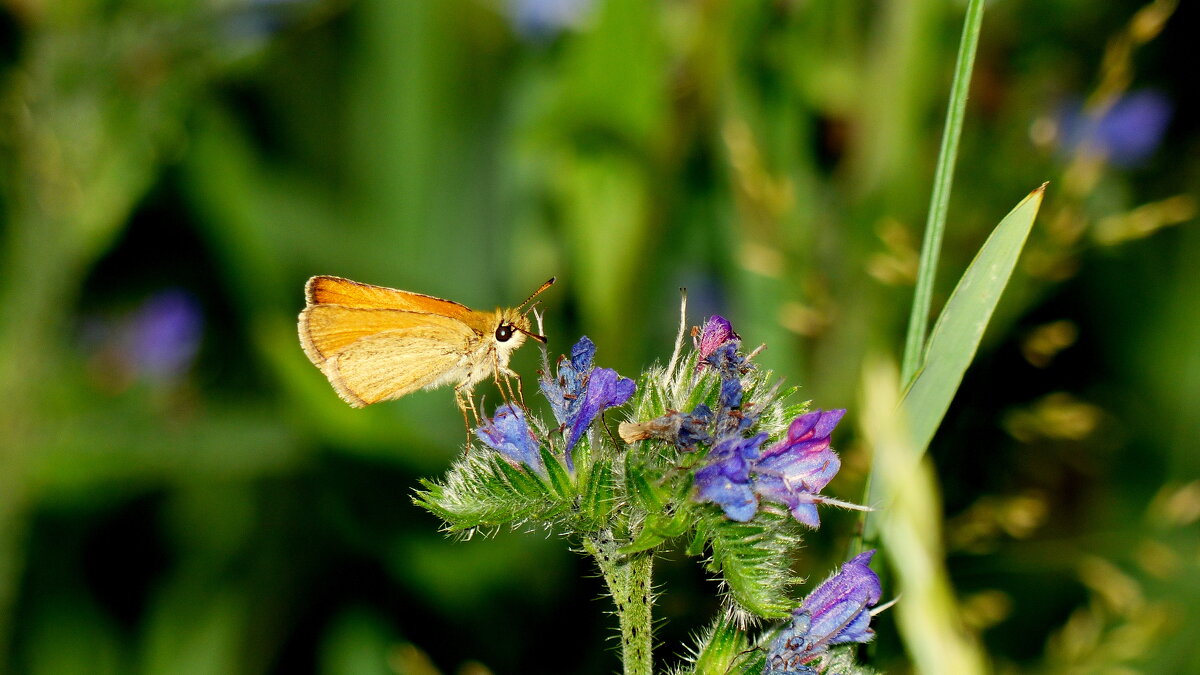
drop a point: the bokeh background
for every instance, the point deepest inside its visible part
(182, 492)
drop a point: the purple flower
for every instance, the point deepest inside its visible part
(1125, 133)
(582, 391)
(508, 434)
(163, 336)
(157, 342)
(566, 393)
(605, 389)
(716, 332)
(792, 472)
(725, 479)
(796, 469)
(836, 612)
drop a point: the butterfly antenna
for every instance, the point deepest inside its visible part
(548, 284)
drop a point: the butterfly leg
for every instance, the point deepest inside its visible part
(465, 402)
(509, 375)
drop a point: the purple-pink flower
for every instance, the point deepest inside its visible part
(836, 612)
(792, 472)
(716, 332)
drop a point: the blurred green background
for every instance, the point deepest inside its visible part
(182, 492)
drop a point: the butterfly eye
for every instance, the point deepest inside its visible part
(504, 332)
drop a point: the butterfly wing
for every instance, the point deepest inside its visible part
(323, 290)
(371, 355)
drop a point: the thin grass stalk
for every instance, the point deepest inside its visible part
(943, 180)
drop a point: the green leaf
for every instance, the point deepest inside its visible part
(560, 482)
(487, 491)
(598, 493)
(754, 559)
(639, 487)
(658, 528)
(645, 540)
(723, 649)
(960, 326)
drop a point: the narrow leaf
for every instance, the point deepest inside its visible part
(960, 326)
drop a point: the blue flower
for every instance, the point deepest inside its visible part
(836, 612)
(1125, 133)
(792, 472)
(566, 393)
(725, 478)
(796, 469)
(605, 389)
(508, 434)
(581, 392)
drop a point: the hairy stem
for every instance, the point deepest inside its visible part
(628, 579)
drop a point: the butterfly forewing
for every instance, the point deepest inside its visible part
(326, 290)
(325, 330)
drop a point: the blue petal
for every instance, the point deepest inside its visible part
(508, 434)
(582, 354)
(566, 392)
(605, 389)
(735, 498)
(840, 607)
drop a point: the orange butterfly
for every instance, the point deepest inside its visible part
(376, 344)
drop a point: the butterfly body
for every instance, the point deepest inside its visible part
(375, 343)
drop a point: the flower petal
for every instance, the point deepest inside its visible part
(508, 434)
(716, 332)
(840, 607)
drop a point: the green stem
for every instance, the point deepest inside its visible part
(628, 579)
(935, 224)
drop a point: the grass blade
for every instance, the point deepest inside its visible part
(935, 223)
(960, 326)
(954, 340)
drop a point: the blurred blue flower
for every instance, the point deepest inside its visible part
(162, 337)
(836, 612)
(581, 392)
(508, 434)
(1126, 133)
(156, 342)
(542, 20)
(250, 23)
